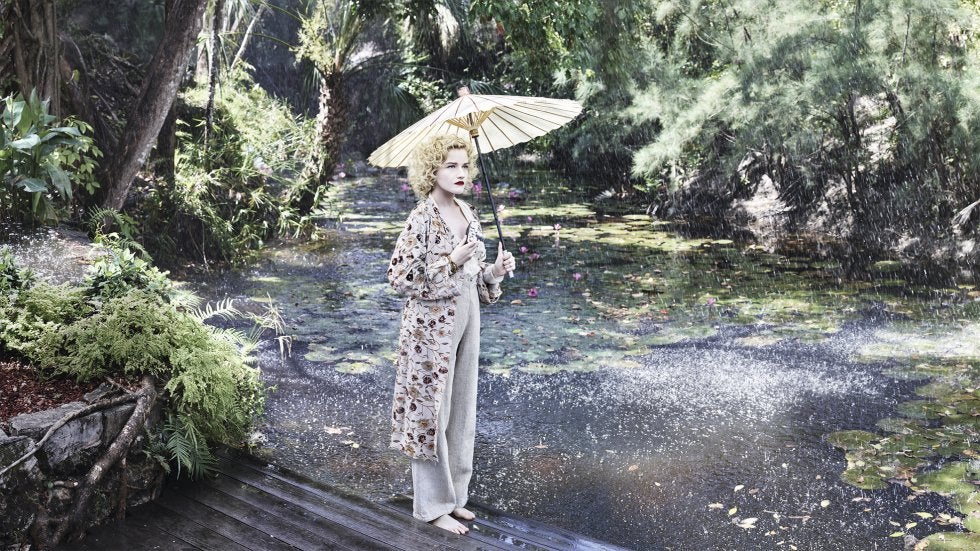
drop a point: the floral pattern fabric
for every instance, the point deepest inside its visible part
(419, 269)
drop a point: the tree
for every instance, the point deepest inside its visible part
(30, 49)
(331, 37)
(159, 89)
(869, 108)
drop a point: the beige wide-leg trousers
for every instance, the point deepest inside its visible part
(441, 486)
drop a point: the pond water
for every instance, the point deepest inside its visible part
(637, 386)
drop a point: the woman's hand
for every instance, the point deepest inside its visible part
(464, 252)
(505, 262)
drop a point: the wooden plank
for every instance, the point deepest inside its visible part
(205, 493)
(490, 532)
(374, 521)
(128, 535)
(308, 530)
(232, 528)
(565, 539)
(188, 530)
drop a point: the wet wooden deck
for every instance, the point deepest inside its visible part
(250, 506)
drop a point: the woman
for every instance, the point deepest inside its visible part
(440, 264)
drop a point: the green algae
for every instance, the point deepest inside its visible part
(851, 439)
(950, 541)
(944, 424)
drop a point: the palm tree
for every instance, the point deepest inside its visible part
(330, 38)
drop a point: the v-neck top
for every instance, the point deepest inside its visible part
(472, 266)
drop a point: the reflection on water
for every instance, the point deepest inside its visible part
(651, 390)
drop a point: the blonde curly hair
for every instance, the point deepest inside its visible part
(429, 156)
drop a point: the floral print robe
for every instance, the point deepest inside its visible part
(419, 269)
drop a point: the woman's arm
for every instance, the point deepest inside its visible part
(417, 272)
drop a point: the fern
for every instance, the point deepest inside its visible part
(224, 309)
(129, 322)
(187, 448)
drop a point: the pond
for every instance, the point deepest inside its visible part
(643, 388)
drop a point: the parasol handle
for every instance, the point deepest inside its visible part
(486, 185)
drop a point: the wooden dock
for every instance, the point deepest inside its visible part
(251, 506)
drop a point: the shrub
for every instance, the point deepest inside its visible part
(41, 162)
(127, 321)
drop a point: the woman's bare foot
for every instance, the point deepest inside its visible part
(446, 522)
(464, 514)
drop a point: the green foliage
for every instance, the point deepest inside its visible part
(228, 200)
(12, 276)
(214, 395)
(870, 108)
(35, 311)
(121, 271)
(127, 320)
(42, 164)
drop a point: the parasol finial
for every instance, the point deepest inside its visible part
(463, 91)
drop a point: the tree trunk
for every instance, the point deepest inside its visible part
(214, 64)
(331, 122)
(167, 140)
(156, 97)
(30, 49)
(248, 35)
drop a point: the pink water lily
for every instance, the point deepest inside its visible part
(711, 301)
(405, 187)
(477, 188)
(523, 250)
(557, 227)
(530, 218)
(576, 276)
(535, 256)
(532, 292)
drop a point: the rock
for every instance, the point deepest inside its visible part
(72, 448)
(19, 490)
(104, 390)
(34, 425)
(113, 421)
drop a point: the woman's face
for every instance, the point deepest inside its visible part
(451, 177)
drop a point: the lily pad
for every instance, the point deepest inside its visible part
(950, 480)
(673, 334)
(851, 439)
(922, 409)
(898, 424)
(949, 541)
(864, 476)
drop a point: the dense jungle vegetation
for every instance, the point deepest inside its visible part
(211, 126)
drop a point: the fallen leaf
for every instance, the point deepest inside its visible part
(896, 534)
(633, 468)
(825, 503)
(739, 487)
(335, 430)
(715, 506)
(922, 514)
(732, 511)
(747, 523)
